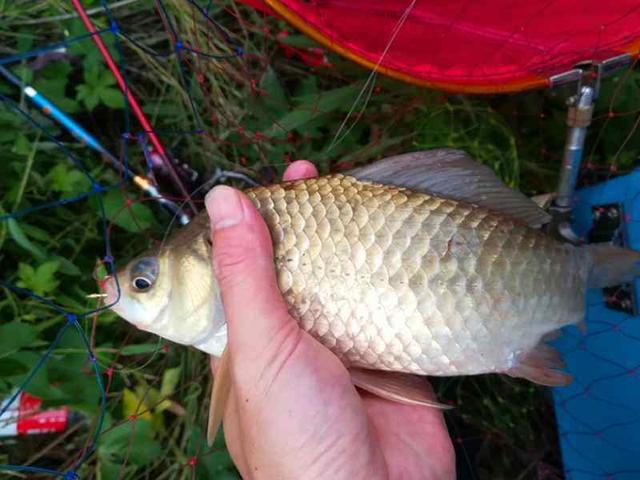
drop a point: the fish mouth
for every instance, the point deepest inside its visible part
(113, 298)
(109, 288)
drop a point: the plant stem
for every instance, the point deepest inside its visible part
(27, 172)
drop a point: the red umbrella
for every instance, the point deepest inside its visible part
(468, 46)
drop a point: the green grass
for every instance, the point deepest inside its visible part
(257, 112)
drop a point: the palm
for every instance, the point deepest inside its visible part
(414, 439)
(311, 413)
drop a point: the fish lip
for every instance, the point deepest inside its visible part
(116, 301)
(113, 295)
(112, 300)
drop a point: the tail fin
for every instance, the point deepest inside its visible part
(611, 265)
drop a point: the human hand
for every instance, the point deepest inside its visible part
(293, 412)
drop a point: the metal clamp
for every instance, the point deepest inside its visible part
(587, 76)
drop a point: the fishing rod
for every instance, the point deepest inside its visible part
(133, 102)
(50, 109)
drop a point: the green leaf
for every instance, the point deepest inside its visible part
(24, 73)
(110, 470)
(170, 379)
(22, 145)
(132, 216)
(291, 121)
(47, 269)
(67, 372)
(106, 78)
(41, 280)
(308, 86)
(135, 405)
(26, 272)
(139, 348)
(215, 464)
(36, 233)
(75, 28)
(21, 239)
(97, 88)
(311, 107)
(92, 75)
(67, 266)
(132, 440)
(24, 42)
(16, 335)
(299, 41)
(337, 99)
(68, 180)
(52, 83)
(39, 384)
(10, 367)
(275, 99)
(112, 97)
(89, 96)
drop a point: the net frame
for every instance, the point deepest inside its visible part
(359, 52)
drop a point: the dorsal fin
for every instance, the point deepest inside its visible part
(453, 174)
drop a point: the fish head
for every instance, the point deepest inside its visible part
(138, 293)
(172, 292)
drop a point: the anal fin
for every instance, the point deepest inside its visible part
(541, 365)
(219, 397)
(397, 387)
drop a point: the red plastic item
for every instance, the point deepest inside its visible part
(25, 417)
(32, 420)
(473, 46)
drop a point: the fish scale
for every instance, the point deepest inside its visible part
(392, 279)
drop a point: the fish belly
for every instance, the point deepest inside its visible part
(396, 280)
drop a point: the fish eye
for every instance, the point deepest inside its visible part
(141, 284)
(143, 273)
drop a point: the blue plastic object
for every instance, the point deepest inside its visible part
(599, 413)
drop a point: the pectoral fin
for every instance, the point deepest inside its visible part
(219, 397)
(397, 387)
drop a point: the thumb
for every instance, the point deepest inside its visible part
(243, 264)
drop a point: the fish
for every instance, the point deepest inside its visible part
(422, 264)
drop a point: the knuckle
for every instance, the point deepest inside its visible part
(228, 257)
(233, 258)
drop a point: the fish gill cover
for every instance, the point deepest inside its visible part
(218, 91)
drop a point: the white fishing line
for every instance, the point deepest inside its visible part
(339, 136)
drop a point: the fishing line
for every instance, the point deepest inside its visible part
(219, 176)
(126, 369)
(370, 80)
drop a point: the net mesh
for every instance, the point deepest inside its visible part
(466, 46)
(232, 94)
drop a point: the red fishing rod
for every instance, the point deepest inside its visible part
(135, 106)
